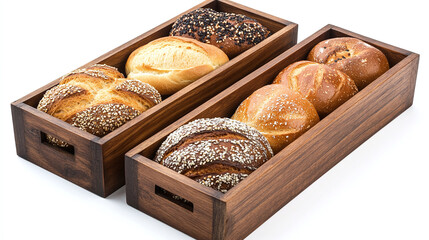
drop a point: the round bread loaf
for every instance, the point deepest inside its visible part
(325, 87)
(233, 33)
(279, 113)
(359, 60)
(171, 63)
(94, 100)
(216, 152)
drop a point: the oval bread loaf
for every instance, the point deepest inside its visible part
(279, 113)
(233, 33)
(171, 63)
(359, 60)
(97, 100)
(325, 87)
(216, 152)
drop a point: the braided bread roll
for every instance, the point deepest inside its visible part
(279, 113)
(216, 152)
(325, 87)
(361, 61)
(97, 100)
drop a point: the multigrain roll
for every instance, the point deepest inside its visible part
(216, 152)
(279, 113)
(359, 60)
(233, 33)
(325, 87)
(95, 100)
(171, 63)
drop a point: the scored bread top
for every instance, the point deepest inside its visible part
(279, 113)
(214, 148)
(171, 63)
(356, 58)
(325, 87)
(211, 125)
(94, 100)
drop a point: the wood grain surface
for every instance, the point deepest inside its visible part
(284, 176)
(97, 164)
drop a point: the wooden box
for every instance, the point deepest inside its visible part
(210, 214)
(97, 164)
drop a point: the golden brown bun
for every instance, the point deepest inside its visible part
(171, 63)
(233, 33)
(361, 61)
(216, 152)
(325, 87)
(279, 113)
(92, 100)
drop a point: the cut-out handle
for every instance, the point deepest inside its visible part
(186, 204)
(44, 140)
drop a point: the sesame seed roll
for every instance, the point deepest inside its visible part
(97, 100)
(233, 33)
(216, 152)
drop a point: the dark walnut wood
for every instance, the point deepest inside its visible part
(241, 210)
(97, 164)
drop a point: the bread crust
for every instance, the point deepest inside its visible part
(279, 113)
(93, 100)
(171, 63)
(325, 87)
(233, 33)
(217, 152)
(359, 60)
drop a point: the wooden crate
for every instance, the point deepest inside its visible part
(97, 164)
(209, 214)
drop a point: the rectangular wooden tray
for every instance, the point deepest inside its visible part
(209, 214)
(97, 164)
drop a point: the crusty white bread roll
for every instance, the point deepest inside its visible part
(97, 100)
(280, 114)
(361, 61)
(171, 63)
(325, 87)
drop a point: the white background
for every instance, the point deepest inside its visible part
(380, 191)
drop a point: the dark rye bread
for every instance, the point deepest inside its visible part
(233, 33)
(216, 152)
(97, 100)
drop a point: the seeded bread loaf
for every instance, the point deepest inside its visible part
(171, 63)
(233, 33)
(279, 113)
(359, 60)
(325, 87)
(216, 152)
(97, 100)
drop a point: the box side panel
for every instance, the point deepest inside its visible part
(313, 154)
(153, 189)
(19, 129)
(78, 165)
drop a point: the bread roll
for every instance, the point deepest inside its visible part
(361, 61)
(94, 101)
(233, 33)
(325, 87)
(171, 63)
(216, 152)
(279, 113)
